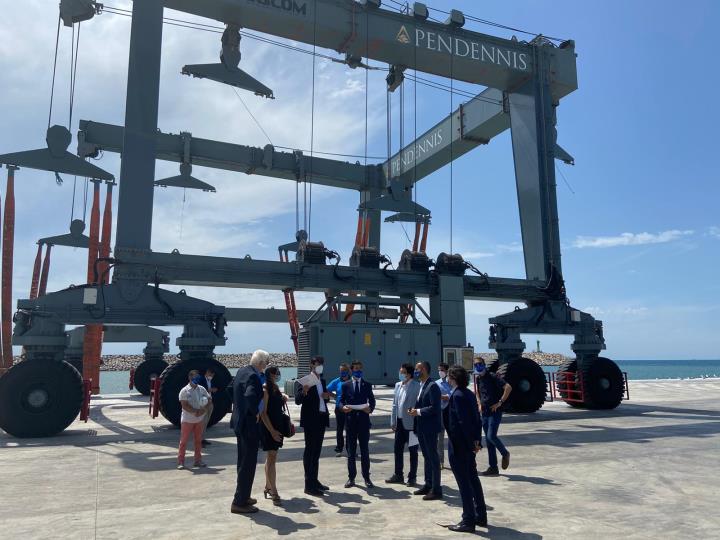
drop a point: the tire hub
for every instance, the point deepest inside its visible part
(36, 399)
(604, 383)
(524, 385)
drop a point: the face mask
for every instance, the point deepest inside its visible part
(209, 377)
(479, 369)
(401, 376)
(319, 369)
(197, 380)
(262, 378)
(417, 374)
(442, 374)
(357, 374)
(344, 374)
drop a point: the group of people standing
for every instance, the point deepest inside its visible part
(424, 410)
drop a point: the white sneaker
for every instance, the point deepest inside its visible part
(180, 467)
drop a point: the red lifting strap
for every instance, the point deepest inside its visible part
(35, 281)
(417, 236)
(91, 352)
(106, 235)
(423, 242)
(45, 272)
(8, 241)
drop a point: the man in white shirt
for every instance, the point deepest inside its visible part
(194, 400)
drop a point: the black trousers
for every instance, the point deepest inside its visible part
(402, 437)
(462, 462)
(358, 430)
(340, 419)
(428, 446)
(247, 451)
(311, 455)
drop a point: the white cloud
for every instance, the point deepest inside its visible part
(477, 254)
(630, 239)
(714, 231)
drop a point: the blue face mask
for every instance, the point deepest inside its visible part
(357, 374)
(262, 378)
(401, 376)
(197, 380)
(417, 374)
(479, 369)
(344, 374)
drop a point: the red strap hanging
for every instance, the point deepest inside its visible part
(45, 272)
(8, 242)
(91, 354)
(423, 242)
(35, 281)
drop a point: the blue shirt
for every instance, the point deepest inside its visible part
(336, 386)
(445, 389)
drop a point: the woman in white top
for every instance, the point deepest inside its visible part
(194, 400)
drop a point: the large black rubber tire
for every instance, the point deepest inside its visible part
(528, 382)
(146, 371)
(568, 367)
(77, 363)
(604, 383)
(39, 398)
(175, 377)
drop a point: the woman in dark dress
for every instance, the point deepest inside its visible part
(270, 436)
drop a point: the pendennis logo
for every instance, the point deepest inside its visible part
(403, 36)
(285, 5)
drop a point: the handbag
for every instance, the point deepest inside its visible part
(287, 429)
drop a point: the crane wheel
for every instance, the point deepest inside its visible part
(604, 383)
(77, 363)
(175, 377)
(528, 382)
(39, 398)
(567, 381)
(147, 370)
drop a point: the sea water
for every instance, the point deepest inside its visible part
(116, 382)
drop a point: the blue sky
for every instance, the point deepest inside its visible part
(638, 212)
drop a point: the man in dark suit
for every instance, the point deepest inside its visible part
(314, 419)
(464, 432)
(428, 424)
(209, 382)
(247, 394)
(358, 391)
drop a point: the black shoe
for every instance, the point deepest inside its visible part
(395, 479)
(422, 491)
(481, 522)
(491, 471)
(462, 527)
(369, 484)
(205, 443)
(314, 492)
(350, 483)
(322, 487)
(412, 482)
(337, 450)
(432, 496)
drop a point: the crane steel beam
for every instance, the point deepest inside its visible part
(259, 315)
(200, 270)
(472, 124)
(363, 30)
(96, 136)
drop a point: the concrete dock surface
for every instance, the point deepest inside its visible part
(648, 469)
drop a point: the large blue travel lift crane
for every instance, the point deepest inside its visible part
(525, 82)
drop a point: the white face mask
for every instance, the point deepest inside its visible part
(319, 369)
(442, 374)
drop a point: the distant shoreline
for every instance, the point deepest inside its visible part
(126, 362)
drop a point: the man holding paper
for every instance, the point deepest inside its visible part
(312, 396)
(358, 403)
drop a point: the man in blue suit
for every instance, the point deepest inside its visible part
(464, 433)
(358, 391)
(428, 424)
(247, 393)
